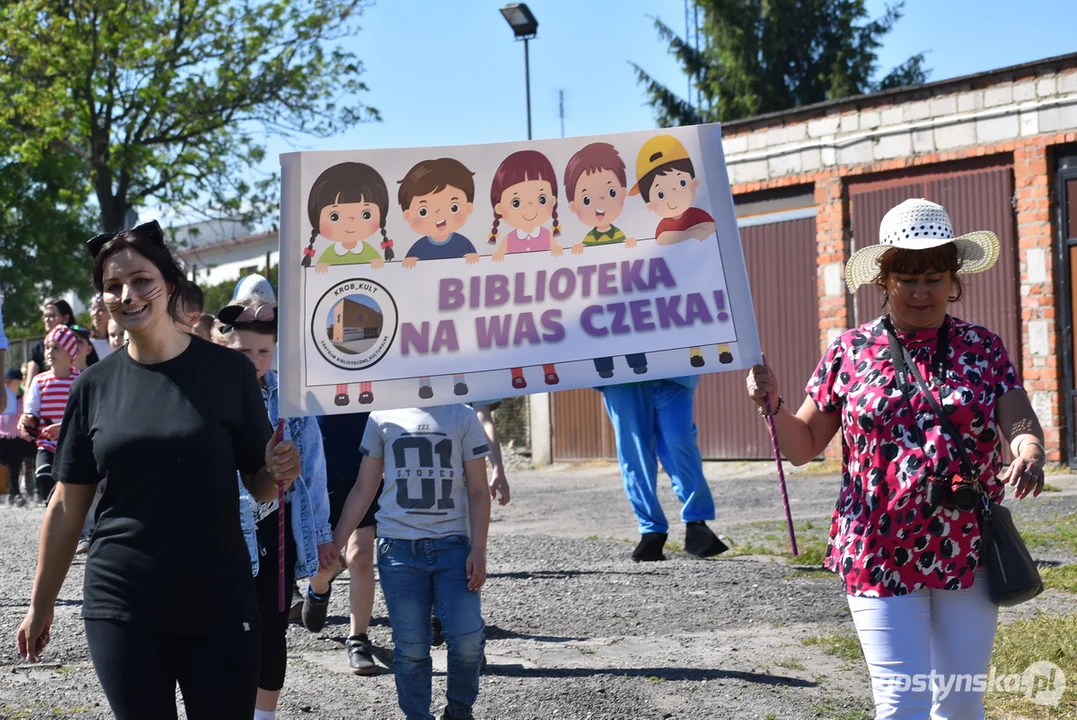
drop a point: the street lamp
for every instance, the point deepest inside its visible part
(524, 27)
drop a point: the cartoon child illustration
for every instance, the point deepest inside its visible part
(595, 184)
(667, 183)
(348, 204)
(437, 197)
(524, 195)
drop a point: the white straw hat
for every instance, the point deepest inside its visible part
(918, 224)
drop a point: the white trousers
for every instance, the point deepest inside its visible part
(925, 649)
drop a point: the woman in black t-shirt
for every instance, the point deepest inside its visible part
(166, 421)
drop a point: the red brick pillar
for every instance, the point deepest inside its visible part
(830, 225)
(1040, 351)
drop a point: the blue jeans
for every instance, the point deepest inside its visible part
(417, 577)
(653, 420)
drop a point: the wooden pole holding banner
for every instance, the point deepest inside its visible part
(278, 437)
(781, 474)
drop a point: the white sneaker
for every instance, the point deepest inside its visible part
(83, 546)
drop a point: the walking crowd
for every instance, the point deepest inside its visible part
(160, 418)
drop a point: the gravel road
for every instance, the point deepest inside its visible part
(575, 629)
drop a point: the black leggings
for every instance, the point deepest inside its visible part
(43, 474)
(274, 654)
(217, 672)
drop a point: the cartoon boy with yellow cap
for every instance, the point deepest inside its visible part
(668, 184)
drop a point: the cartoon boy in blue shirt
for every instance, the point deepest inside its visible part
(437, 197)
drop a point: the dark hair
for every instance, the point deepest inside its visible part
(517, 168)
(63, 308)
(940, 259)
(140, 241)
(350, 182)
(192, 296)
(591, 159)
(431, 176)
(647, 180)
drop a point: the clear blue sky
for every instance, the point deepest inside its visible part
(448, 73)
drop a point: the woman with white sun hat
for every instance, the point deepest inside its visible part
(905, 536)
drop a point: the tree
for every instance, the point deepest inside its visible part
(45, 220)
(164, 100)
(761, 56)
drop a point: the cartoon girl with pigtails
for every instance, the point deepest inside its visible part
(524, 196)
(348, 204)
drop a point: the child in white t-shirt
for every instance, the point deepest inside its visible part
(433, 520)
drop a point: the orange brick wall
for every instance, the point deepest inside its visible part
(1042, 375)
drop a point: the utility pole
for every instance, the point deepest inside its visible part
(561, 103)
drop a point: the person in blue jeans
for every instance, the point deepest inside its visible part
(654, 421)
(433, 518)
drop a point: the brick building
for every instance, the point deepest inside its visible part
(998, 149)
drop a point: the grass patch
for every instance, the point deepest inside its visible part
(674, 546)
(1048, 487)
(65, 670)
(1060, 532)
(592, 537)
(1060, 578)
(1019, 644)
(749, 548)
(810, 553)
(811, 575)
(844, 646)
(789, 664)
(73, 710)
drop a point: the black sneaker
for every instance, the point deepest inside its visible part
(650, 547)
(446, 716)
(315, 609)
(361, 655)
(295, 613)
(700, 540)
(437, 639)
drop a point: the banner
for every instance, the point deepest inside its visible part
(426, 276)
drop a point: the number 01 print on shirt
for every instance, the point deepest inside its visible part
(424, 484)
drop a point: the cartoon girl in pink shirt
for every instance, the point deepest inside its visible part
(524, 196)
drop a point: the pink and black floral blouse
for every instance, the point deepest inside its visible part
(885, 539)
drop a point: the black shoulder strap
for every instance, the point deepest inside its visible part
(903, 363)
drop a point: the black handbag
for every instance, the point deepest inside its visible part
(1011, 572)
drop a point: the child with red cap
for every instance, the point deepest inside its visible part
(46, 399)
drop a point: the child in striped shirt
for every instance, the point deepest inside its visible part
(46, 399)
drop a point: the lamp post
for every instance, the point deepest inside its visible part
(524, 27)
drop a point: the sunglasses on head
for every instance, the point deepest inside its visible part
(152, 230)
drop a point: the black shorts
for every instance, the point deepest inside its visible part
(338, 495)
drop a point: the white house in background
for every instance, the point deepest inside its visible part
(214, 251)
(229, 259)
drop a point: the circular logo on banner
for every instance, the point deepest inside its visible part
(354, 324)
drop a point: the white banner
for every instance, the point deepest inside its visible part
(427, 276)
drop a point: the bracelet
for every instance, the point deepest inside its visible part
(1037, 443)
(774, 411)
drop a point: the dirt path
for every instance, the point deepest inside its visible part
(575, 629)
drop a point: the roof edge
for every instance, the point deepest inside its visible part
(876, 98)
